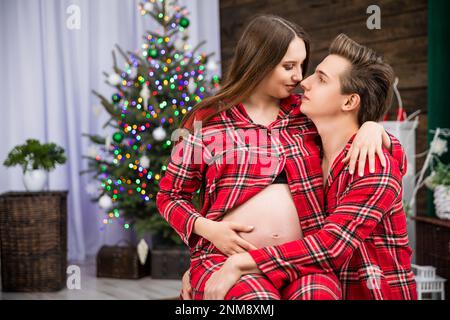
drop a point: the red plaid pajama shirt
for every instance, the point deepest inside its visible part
(363, 239)
(290, 144)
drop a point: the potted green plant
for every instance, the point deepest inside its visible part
(36, 160)
(439, 182)
(438, 179)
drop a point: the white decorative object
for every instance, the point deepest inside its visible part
(438, 146)
(442, 201)
(179, 44)
(192, 86)
(92, 151)
(405, 132)
(434, 182)
(159, 134)
(211, 66)
(145, 162)
(105, 202)
(148, 6)
(428, 282)
(401, 113)
(114, 79)
(35, 180)
(142, 250)
(145, 95)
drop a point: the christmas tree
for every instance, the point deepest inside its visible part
(158, 85)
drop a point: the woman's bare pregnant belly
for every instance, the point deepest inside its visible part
(272, 213)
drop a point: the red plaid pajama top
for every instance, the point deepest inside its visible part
(233, 174)
(363, 239)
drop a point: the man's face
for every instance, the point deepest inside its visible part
(322, 97)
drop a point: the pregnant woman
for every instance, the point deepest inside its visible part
(256, 159)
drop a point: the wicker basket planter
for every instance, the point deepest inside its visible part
(442, 201)
(33, 241)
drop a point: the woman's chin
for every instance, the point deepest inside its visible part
(282, 95)
(290, 91)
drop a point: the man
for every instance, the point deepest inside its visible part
(364, 237)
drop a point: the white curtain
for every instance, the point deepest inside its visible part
(49, 67)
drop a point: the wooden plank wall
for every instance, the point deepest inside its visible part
(402, 40)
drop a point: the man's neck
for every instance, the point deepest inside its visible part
(335, 136)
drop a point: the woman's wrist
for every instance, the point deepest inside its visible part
(202, 227)
(385, 139)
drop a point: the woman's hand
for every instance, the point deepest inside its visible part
(368, 141)
(224, 235)
(221, 281)
(186, 290)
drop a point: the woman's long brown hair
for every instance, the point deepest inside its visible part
(261, 47)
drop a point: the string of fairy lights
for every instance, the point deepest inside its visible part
(169, 91)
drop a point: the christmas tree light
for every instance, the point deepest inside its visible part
(158, 85)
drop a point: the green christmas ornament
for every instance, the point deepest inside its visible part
(116, 97)
(155, 113)
(184, 22)
(153, 53)
(118, 137)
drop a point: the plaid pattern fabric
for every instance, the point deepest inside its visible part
(289, 143)
(259, 287)
(364, 237)
(320, 286)
(235, 173)
(249, 287)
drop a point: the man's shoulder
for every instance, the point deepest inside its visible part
(388, 173)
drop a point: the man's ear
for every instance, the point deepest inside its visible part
(352, 103)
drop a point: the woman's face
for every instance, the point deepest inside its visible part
(286, 76)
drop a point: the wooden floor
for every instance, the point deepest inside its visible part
(93, 288)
